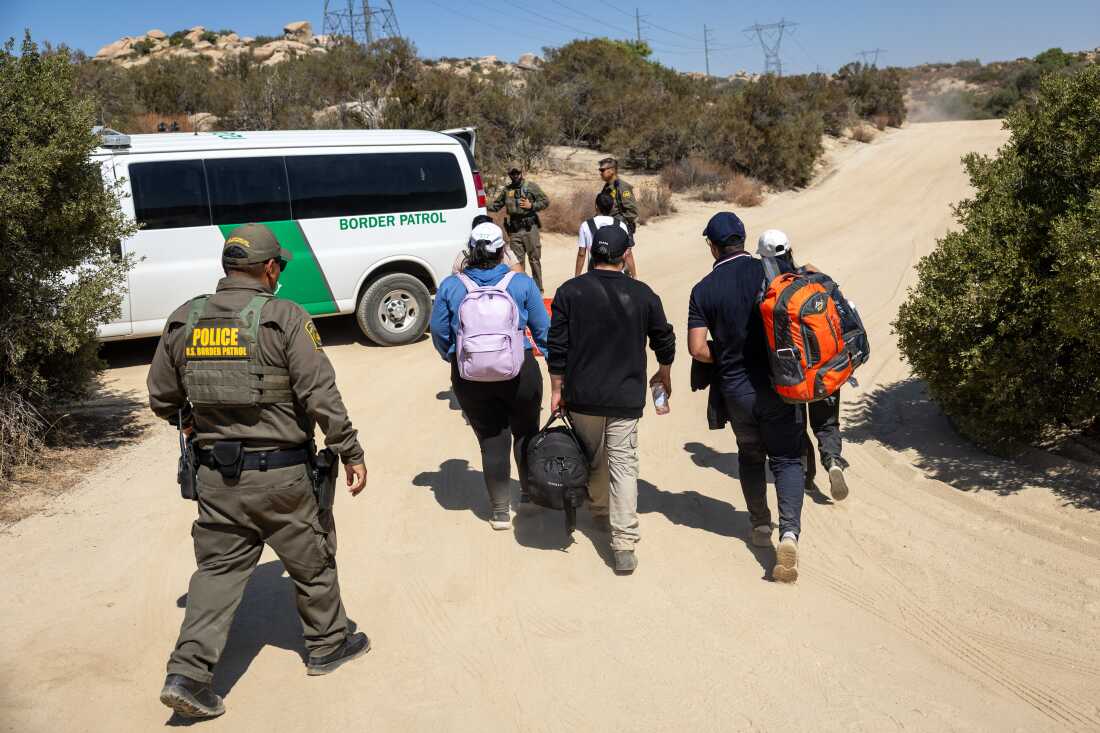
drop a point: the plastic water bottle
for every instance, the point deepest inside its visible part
(660, 399)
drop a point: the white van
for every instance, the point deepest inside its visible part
(373, 218)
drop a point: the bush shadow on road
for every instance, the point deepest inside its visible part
(902, 416)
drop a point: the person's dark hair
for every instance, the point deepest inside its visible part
(609, 163)
(481, 219)
(731, 245)
(604, 203)
(480, 258)
(255, 271)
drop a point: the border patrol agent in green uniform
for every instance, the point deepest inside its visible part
(523, 199)
(621, 192)
(245, 373)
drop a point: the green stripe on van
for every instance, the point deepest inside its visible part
(302, 281)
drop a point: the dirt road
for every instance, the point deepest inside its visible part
(951, 591)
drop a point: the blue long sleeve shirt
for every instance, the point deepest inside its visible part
(532, 311)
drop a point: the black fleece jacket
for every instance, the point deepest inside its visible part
(598, 333)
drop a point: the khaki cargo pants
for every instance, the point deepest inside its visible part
(613, 473)
(526, 244)
(276, 508)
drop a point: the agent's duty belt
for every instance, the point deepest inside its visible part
(250, 460)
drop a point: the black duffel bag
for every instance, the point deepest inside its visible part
(557, 469)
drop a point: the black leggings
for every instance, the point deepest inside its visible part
(499, 411)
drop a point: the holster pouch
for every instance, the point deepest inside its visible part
(228, 455)
(187, 475)
(324, 467)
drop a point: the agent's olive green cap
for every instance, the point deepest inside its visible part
(251, 244)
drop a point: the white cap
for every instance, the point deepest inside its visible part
(773, 243)
(488, 232)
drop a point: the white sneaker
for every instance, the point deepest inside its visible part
(786, 559)
(501, 520)
(838, 486)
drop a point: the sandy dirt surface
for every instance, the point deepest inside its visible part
(950, 591)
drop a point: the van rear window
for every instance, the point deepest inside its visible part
(170, 194)
(374, 183)
(248, 189)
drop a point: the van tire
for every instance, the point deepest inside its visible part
(394, 310)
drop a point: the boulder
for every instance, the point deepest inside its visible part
(202, 45)
(248, 39)
(116, 49)
(529, 61)
(276, 58)
(195, 34)
(156, 34)
(300, 29)
(264, 52)
(488, 60)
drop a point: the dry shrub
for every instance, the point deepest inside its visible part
(744, 191)
(149, 121)
(740, 189)
(694, 172)
(863, 134)
(653, 201)
(21, 430)
(566, 212)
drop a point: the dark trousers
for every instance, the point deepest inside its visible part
(504, 416)
(824, 423)
(236, 519)
(768, 429)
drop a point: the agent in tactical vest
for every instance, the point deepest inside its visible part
(245, 373)
(621, 192)
(523, 200)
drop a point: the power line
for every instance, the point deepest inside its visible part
(770, 36)
(593, 18)
(466, 15)
(872, 55)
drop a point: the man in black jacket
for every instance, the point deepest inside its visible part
(597, 364)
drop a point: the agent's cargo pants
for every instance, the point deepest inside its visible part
(274, 507)
(526, 244)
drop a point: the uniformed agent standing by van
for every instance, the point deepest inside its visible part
(523, 201)
(245, 373)
(621, 192)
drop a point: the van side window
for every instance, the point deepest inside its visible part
(374, 183)
(170, 194)
(245, 190)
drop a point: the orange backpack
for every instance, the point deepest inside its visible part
(806, 347)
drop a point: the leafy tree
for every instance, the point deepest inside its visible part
(58, 225)
(1002, 321)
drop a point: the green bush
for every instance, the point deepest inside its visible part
(58, 225)
(1002, 321)
(875, 92)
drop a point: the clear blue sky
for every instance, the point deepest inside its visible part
(828, 34)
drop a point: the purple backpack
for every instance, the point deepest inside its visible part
(490, 341)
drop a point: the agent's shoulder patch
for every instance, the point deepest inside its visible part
(311, 331)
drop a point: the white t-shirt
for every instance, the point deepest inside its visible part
(584, 236)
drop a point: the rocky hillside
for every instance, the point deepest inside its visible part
(215, 46)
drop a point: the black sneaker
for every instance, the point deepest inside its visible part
(355, 646)
(501, 519)
(625, 562)
(190, 698)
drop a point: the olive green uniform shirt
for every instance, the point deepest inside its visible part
(626, 203)
(287, 338)
(509, 196)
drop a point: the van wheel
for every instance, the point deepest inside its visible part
(394, 310)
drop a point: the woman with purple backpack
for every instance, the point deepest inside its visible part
(478, 324)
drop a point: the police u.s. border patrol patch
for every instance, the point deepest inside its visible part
(311, 331)
(627, 194)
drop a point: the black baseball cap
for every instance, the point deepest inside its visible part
(252, 244)
(725, 228)
(610, 243)
(513, 171)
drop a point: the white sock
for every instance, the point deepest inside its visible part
(789, 536)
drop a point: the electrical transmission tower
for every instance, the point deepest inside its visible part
(706, 47)
(770, 36)
(870, 58)
(357, 20)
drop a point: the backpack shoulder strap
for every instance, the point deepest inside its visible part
(591, 223)
(198, 307)
(471, 286)
(505, 281)
(250, 314)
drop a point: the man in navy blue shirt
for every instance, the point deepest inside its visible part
(726, 303)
